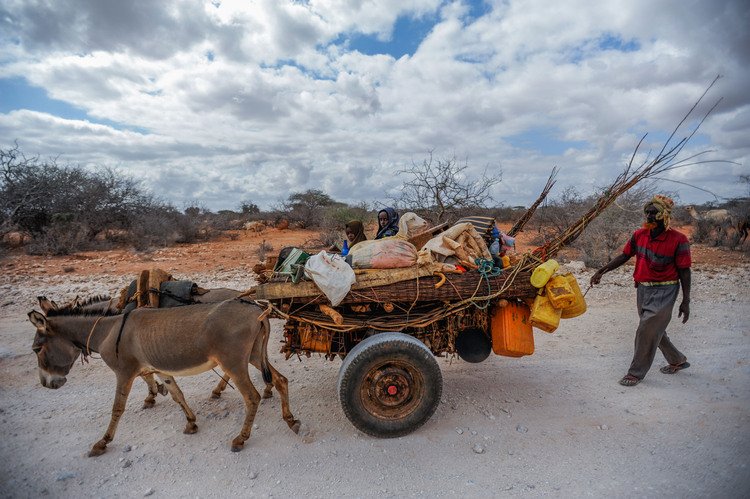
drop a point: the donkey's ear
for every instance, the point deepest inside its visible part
(46, 304)
(37, 319)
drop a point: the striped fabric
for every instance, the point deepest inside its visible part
(483, 225)
(657, 260)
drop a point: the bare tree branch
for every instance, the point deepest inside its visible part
(440, 187)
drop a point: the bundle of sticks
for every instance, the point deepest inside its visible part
(666, 160)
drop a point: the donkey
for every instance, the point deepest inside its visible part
(180, 341)
(104, 304)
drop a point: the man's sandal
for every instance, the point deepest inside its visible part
(629, 380)
(673, 368)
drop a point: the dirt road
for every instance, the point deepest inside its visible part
(552, 424)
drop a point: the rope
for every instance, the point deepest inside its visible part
(88, 339)
(486, 269)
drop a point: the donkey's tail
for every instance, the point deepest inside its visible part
(265, 326)
(265, 371)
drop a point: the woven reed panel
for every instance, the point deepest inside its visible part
(457, 287)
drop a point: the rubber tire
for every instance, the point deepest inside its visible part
(377, 351)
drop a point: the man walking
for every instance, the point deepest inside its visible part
(662, 267)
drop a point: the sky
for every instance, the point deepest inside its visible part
(215, 103)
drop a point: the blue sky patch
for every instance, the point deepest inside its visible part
(16, 93)
(661, 136)
(408, 33)
(477, 9)
(603, 43)
(544, 141)
(610, 41)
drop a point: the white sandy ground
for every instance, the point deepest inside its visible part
(553, 424)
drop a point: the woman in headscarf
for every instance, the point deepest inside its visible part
(387, 223)
(355, 232)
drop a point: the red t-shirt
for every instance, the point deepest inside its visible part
(657, 260)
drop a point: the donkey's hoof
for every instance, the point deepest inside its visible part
(215, 395)
(237, 444)
(190, 428)
(267, 394)
(295, 426)
(98, 449)
(148, 404)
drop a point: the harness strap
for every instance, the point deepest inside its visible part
(119, 334)
(172, 295)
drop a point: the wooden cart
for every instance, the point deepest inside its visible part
(388, 331)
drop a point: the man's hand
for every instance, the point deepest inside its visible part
(612, 265)
(684, 311)
(597, 277)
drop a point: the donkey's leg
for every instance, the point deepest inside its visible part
(238, 372)
(267, 393)
(223, 382)
(154, 388)
(178, 397)
(282, 386)
(124, 384)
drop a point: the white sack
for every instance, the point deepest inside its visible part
(331, 274)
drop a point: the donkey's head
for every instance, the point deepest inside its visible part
(55, 355)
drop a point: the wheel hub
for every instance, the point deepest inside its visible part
(391, 386)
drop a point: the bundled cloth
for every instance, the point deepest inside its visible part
(388, 253)
(460, 244)
(483, 225)
(331, 274)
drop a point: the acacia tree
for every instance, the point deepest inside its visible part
(306, 207)
(440, 187)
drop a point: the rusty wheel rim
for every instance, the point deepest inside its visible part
(392, 390)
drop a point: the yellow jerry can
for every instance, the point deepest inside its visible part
(543, 272)
(579, 304)
(543, 315)
(559, 292)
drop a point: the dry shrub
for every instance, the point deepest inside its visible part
(60, 239)
(64, 207)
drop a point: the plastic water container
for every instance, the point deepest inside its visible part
(579, 304)
(495, 245)
(543, 315)
(543, 272)
(511, 330)
(559, 292)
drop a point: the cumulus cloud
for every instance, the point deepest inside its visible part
(225, 101)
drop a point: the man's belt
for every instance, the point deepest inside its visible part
(661, 283)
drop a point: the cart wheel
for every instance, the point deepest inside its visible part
(389, 385)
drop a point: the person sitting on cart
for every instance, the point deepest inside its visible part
(387, 223)
(355, 233)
